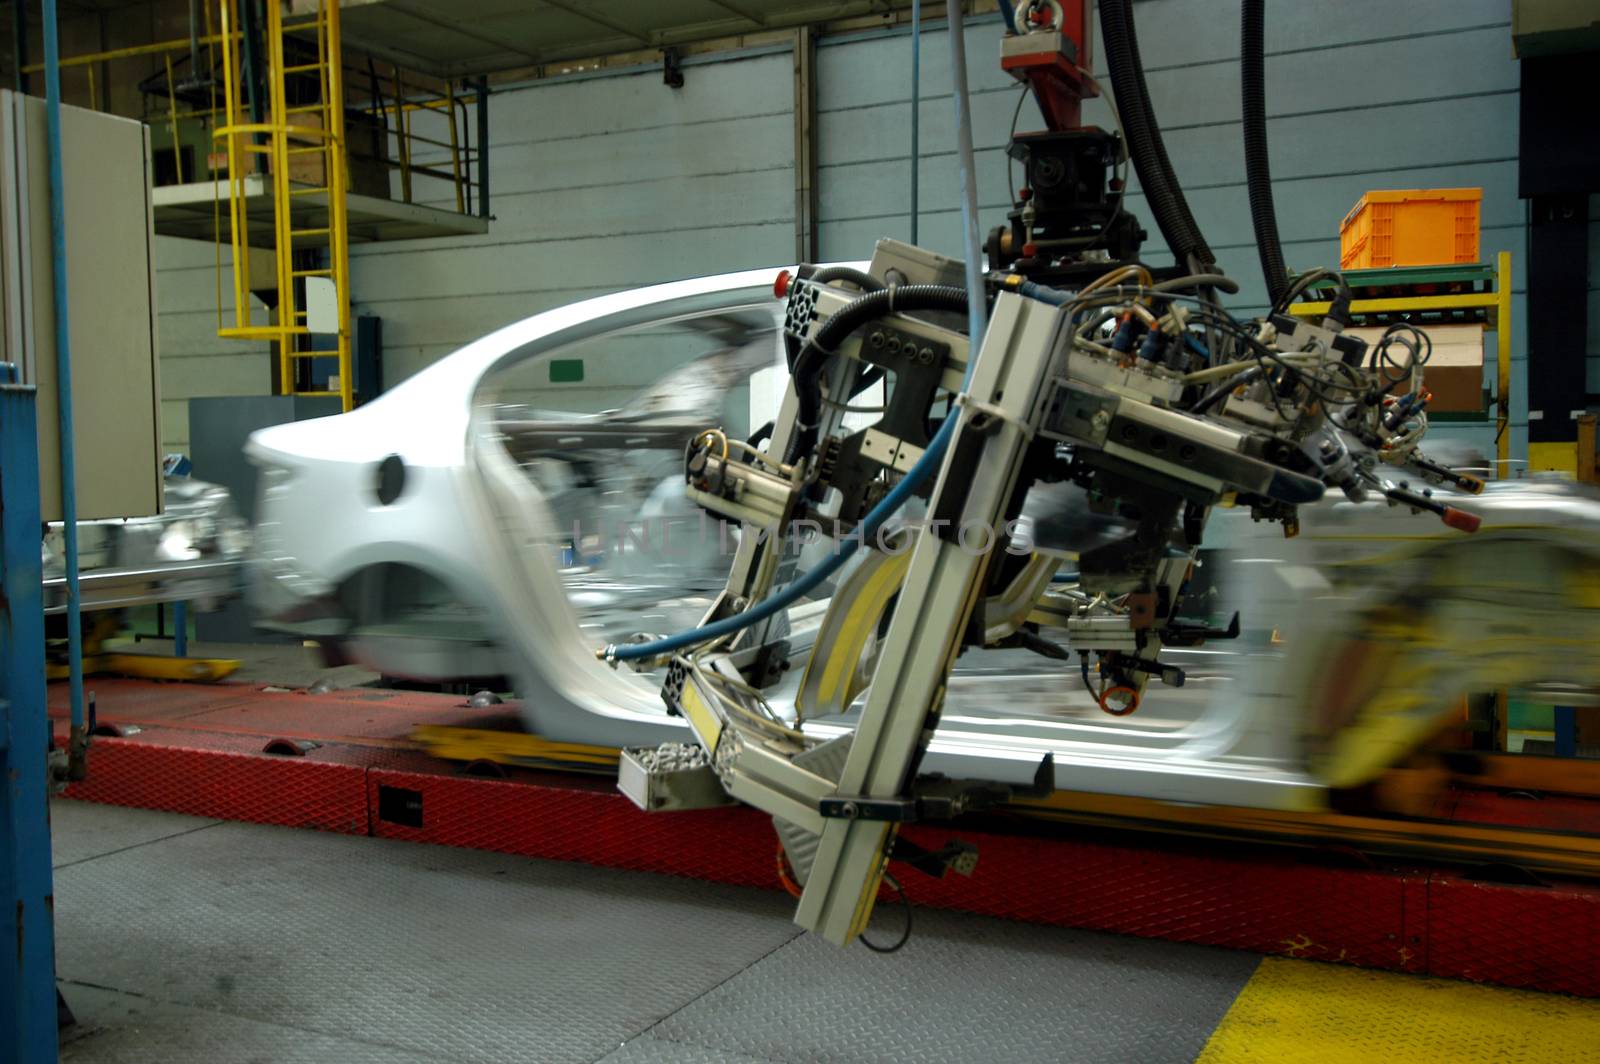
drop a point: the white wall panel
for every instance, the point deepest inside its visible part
(599, 184)
(607, 182)
(1362, 95)
(194, 360)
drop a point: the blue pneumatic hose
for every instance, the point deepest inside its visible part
(812, 578)
(932, 457)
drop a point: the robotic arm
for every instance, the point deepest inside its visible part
(1132, 384)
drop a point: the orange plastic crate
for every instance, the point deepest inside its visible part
(1411, 227)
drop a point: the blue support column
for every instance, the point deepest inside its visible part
(1566, 729)
(180, 629)
(69, 439)
(27, 920)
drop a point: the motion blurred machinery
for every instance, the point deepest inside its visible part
(1129, 383)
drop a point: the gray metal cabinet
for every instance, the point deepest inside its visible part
(116, 402)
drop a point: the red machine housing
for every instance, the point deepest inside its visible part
(1053, 54)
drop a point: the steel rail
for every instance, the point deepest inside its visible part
(1534, 850)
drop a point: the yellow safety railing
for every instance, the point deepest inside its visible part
(392, 95)
(1495, 302)
(278, 140)
(431, 148)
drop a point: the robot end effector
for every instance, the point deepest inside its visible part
(1132, 384)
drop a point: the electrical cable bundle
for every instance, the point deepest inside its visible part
(1418, 347)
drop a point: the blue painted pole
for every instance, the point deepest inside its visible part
(180, 629)
(69, 463)
(916, 106)
(27, 922)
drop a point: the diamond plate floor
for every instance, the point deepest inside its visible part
(967, 988)
(116, 1028)
(447, 954)
(80, 831)
(189, 940)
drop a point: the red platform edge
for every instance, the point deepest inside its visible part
(1419, 920)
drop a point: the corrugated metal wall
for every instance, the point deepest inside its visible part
(607, 181)
(599, 183)
(195, 361)
(1363, 94)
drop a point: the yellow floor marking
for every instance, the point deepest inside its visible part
(1303, 1012)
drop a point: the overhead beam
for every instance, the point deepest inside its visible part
(559, 63)
(589, 16)
(733, 9)
(508, 49)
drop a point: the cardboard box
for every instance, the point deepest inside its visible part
(1454, 373)
(369, 174)
(217, 163)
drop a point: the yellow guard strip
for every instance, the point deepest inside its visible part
(150, 667)
(1300, 1012)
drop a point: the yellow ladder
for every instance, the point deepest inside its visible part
(306, 216)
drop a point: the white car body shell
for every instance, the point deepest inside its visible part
(466, 512)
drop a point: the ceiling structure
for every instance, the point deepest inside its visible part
(456, 38)
(461, 38)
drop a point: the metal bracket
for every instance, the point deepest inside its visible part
(954, 856)
(1182, 634)
(939, 798)
(892, 810)
(671, 71)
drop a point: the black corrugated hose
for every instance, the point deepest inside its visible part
(1134, 125)
(834, 331)
(1198, 250)
(1257, 167)
(1145, 146)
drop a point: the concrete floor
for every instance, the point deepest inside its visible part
(182, 939)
